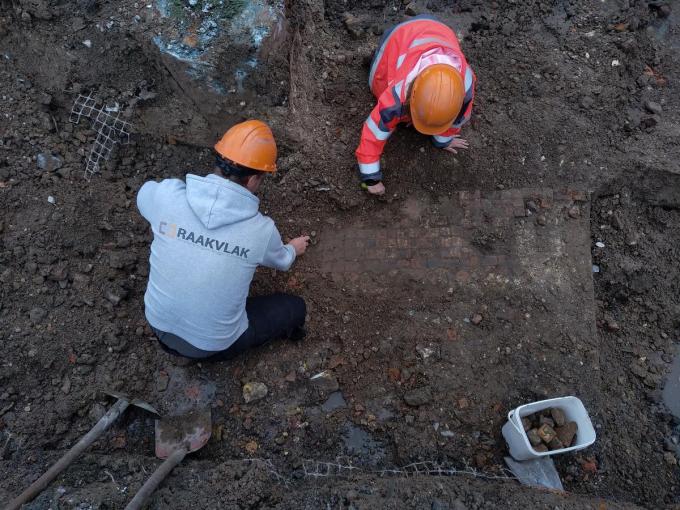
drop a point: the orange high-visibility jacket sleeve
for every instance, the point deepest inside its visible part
(377, 128)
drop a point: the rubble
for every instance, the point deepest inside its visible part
(325, 382)
(653, 107)
(49, 162)
(549, 430)
(419, 396)
(254, 391)
(37, 314)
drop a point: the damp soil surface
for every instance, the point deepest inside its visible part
(541, 262)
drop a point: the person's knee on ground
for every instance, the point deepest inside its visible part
(298, 316)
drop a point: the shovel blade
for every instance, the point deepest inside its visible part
(190, 431)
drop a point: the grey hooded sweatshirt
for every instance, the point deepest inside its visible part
(208, 239)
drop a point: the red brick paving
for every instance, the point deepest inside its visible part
(440, 245)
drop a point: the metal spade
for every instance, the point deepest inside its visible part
(176, 436)
(95, 432)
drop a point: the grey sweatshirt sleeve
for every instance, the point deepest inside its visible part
(145, 198)
(278, 255)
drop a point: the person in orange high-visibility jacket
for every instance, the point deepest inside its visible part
(419, 75)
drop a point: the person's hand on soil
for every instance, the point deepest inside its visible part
(300, 244)
(457, 143)
(376, 189)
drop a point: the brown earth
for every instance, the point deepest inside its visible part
(393, 285)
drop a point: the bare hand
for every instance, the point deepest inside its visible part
(300, 244)
(376, 189)
(457, 143)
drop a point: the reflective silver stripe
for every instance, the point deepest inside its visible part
(443, 139)
(379, 55)
(398, 87)
(400, 60)
(468, 79)
(369, 168)
(377, 132)
(425, 40)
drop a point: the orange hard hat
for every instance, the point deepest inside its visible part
(436, 98)
(250, 144)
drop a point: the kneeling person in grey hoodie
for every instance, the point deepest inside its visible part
(208, 239)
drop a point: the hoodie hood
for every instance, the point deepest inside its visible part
(218, 202)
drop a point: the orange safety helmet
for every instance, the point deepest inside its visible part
(436, 99)
(250, 144)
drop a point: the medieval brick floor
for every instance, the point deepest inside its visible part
(472, 235)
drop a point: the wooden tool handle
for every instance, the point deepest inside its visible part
(89, 438)
(155, 480)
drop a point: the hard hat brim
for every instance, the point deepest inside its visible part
(424, 128)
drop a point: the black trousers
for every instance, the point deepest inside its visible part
(269, 318)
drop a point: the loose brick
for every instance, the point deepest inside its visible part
(462, 277)
(489, 260)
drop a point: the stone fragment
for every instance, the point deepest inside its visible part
(566, 433)
(162, 381)
(37, 314)
(612, 325)
(412, 9)
(353, 25)
(418, 396)
(526, 423)
(251, 447)
(639, 370)
(555, 444)
(669, 445)
(122, 259)
(335, 401)
(532, 206)
(574, 212)
(541, 220)
(653, 107)
(96, 411)
(48, 162)
(541, 448)
(558, 416)
(45, 99)
(325, 382)
(254, 391)
(533, 437)
(58, 273)
(546, 433)
(544, 420)
(476, 319)
(616, 221)
(66, 385)
(670, 459)
(111, 297)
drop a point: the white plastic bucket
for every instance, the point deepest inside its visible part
(574, 410)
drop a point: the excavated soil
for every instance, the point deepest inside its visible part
(542, 262)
